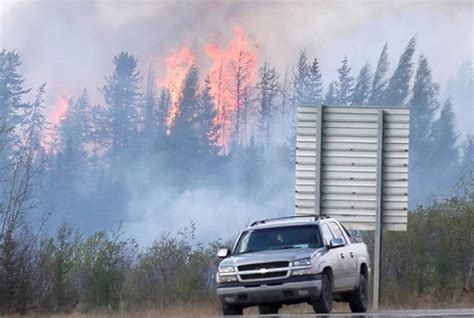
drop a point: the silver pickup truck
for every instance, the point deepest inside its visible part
(293, 260)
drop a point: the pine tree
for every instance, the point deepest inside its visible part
(299, 95)
(184, 141)
(241, 68)
(188, 106)
(300, 83)
(345, 84)
(100, 128)
(379, 82)
(11, 103)
(34, 152)
(361, 92)
(330, 98)
(267, 92)
(423, 105)
(207, 126)
(444, 146)
(75, 134)
(286, 91)
(150, 105)
(162, 112)
(315, 84)
(398, 86)
(67, 177)
(76, 121)
(35, 122)
(121, 93)
(461, 90)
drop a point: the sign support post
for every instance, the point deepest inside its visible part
(319, 144)
(378, 210)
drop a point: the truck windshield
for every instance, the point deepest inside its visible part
(276, 238)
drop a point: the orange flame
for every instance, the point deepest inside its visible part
(177, 67)
(54, 116)
(231, 75)
(59, 109)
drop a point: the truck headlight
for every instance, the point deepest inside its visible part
(226, 269)
(226, 279)
(304, 271)
(302, 262)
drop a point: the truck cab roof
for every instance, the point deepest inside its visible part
(288, 221)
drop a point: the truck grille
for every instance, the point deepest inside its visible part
(271, 265)
(264, 276)
(251, 267)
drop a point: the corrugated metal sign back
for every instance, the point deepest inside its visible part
(336, 173)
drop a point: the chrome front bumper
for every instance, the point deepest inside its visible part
(291, 290)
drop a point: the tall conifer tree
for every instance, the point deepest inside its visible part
(301, 80)
(379, 83)
(122, 96)
(345, 84)
(267, 93)
(444, 149)
(315, 84)
(208, 128)
(330, 98)
(360, 95)
(399, 84)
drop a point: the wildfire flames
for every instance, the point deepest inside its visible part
(232, 73)
(58, 109)
(177, 67)
(54, 115)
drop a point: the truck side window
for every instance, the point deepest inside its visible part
(336, 230)
(349, 234)
(327, 235)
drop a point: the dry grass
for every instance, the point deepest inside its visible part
(211, 308)
(187, 311)
(435, 300)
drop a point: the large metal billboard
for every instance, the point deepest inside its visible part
(352, 164)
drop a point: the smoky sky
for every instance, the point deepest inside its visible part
(70, 44)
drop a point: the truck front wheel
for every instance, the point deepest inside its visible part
(359, 298)
(323, 304)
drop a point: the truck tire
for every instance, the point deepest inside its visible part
(229, 310)
(359, 298)
(323, 304)
(267, 309)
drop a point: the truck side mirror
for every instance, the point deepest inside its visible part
(335, 243)
(223, 253)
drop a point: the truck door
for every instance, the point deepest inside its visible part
(332, 255)
(354, 253)
(345, 257)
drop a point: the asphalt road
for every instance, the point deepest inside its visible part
(383, 314)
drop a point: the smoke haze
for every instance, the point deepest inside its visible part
(70, 45)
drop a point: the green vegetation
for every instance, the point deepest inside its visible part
(105, 271)
(435, 255)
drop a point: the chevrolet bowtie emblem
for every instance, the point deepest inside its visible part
(263, 271)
